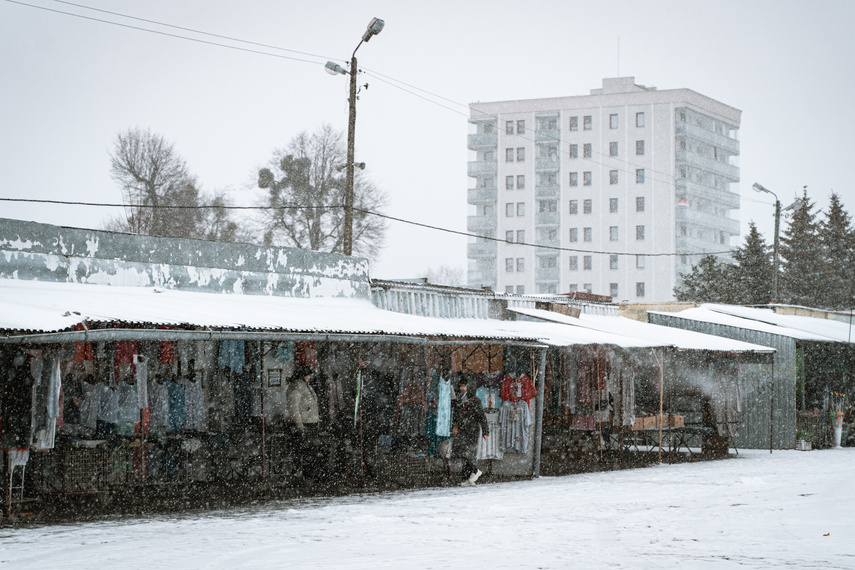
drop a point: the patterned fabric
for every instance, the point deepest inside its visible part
(491, 448)
(515, 419)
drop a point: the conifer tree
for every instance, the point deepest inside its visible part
(836, 235)
(753, 272)
(805, 275)
(708, 282)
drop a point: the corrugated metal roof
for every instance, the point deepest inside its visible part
(827, 328)
(48, 307)
(706, 313)
(654, 335)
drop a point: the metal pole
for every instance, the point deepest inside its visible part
(772, 402)
(661, 397)
(351, 139)
(775, 251)
(538, 413)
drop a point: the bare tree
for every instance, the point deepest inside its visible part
(153, 177)
(305, 197)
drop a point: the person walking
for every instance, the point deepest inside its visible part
(302, 406)
(469, 422)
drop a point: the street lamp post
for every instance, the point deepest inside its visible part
(374, 27)
(759, 188)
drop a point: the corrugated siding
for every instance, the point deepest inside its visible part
(759, 404)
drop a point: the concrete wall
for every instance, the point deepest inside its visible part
(42, 252)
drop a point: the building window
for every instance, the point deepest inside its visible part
(613, 290)
(574, 263)
(587, 123)
(574, 179)
(520, 289)
(586, 263)
(520, 264)
(587, 150)
(639, 233)
(574, 235)
(574, 151)
(613, 177)
(520, 209)
(509, 236)
(613, 121)
(639, 204)
(509, 155)
(489, 156)
(588, 234)
(613, 202)
(551, 234)
(613, 149)
(613, 261)
(488, 182)
(683, 229)
(574, 123)
(639, 262)
(509, 289)
(509, 182)
(639, 290)
(520, 236)
(639, 148)
(509, 264)
(586, 178)
(509, 210)
(520, 154)
(547, 206)
(548, 262)
(574, 207)
(488, 128)
(587, 206)
(639, 119)
(520, 127)
(509, 127)
(684, 259)
(573, 287)
(588, 288)
(613, 233)
(521, 182)
(639, 176)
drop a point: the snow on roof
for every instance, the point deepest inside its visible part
(706, 314)
(654, 335)
(830, 329)
(47, 307)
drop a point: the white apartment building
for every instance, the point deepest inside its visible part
(615, 193)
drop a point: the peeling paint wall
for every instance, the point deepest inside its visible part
(42, 252)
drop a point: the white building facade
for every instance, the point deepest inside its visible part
(615, 193)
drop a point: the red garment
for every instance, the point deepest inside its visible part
(516, 389)
(307, 354)
(124, 361)
(82, 350)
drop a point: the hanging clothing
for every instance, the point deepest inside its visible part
(516, 389)
(492, 447)
(158, 401)
(515, 419)
(490, 397)
(232, 355)
(90, 405)
(443, 408)
(194, 401)
(177, 407)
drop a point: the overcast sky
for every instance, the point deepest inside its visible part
(70, 84)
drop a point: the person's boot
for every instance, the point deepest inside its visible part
(474, 477)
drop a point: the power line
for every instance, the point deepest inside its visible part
(167, 34)
(361, 210)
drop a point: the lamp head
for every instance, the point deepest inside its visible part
(375, 26)
(759, 188)
(334, 69)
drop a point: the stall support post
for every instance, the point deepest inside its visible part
(538, 413)
(260, 369)
(772, 402)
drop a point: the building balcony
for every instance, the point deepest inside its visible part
(481, 250)
(694, 131)
(546, 274)
(547, 163)
(546, 191)
(724, 169)
(547, 136)
(483, 140)
(696, 246)
(723, 197)
(480, 223)
(711, 221)
(481, 277)
(481, 195)
(546, 219)
(477, 167)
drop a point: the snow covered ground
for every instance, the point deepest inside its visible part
(758, 510)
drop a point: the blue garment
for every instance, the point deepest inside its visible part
(443, 408)
(177, 409)
(232, 355)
